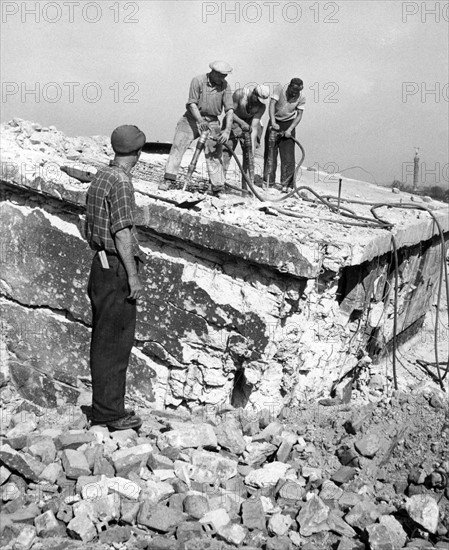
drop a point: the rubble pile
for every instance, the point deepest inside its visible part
(372, 477)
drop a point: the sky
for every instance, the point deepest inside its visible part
(375, 72)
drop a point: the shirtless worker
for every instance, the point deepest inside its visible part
(249, 108)
(209, 95)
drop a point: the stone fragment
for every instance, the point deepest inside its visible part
(312, 517)
(74, 464)
(190, 435)
(312, 474)
(27, 466)
(379, 537)
(273, 429)
(288, 440)
(195, 506)
(155, 491)
(131, 459)
(48, 526)
(102, 466)
(279, 543)
(368, 445)
(4, 474)
(424, 510)
(279, 524)
(124, 487)
(295, 537)
(362, 514)
(93, 488)
(100, 510)
(22, 428)
(65, 513)
(158, 461)
(74, 440)
(189, 530)
(233, 533)
(208, 467)
(330, 491)
(9, 491)
(348, 456)
(82, 528)
(355, 422)
(257, 452)
(128, 511)
(159, 518)
(267, 476)
(338, 525)
(217, 518)
(253, 514)
(115, 535)
(229, 435)
(44, 449)
(343, 475)
(350, 544)
(395, 530)
(26, 538)
(51, 472)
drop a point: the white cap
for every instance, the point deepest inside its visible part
(221, 67)
(262, 91)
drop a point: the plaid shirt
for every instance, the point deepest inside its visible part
(110, 208)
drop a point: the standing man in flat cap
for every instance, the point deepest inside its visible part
(114, 284)
(209, 96)
(286, 109)
(249, 108)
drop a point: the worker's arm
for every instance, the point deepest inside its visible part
(243, 125)
(272, 108)
(223, 136)
(202, 124)
(124, 245)
(296, 121)
(237, 98)
(255, 126)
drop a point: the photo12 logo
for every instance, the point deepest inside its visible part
(427, 92)
(425, 12)
(69, 92)
(69, 12)
(271, 12)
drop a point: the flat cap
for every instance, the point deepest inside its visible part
(221, 67)
(262, 91)
(126, 139)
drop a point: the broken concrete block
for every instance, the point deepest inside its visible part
(82, 528)
(159, 518)
(74, 464)
(379, 537)
(368, 445)
(395, 531)
(217, 518)
(131, 459)
(26, 538)
(23, 463)
(338, 525)
(155, 491)
(189, 530)
(279, 524)
(115, 535)
(74, 440)
(208, 467)
(93, 487)
(44, 449)
(267, 476)
(128, 511)
(312, 517)
(253, 514)
(189, 436)
(158, 461)
(233, 533)
(362, 514)
(343, 475)
(65, 513)
(257, 452)
(22, 428)
(195, 506)
(4, 474)
(48, 526)
(288, 440)
(102, 466)
(424, 510)
(229, 435)
(51, 472)
(124, 487)
(124, 438)
(273, 429)
(330, 491)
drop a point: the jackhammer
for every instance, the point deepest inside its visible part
(199, 148)
(249, 159)
(272, 140)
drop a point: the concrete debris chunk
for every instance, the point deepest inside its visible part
(159, 518)
(279, 524)
(253, 514)
(82, 528)
(74, 463)
(22, 463)
(269, 475)
(368, 445)
(189, 435)
(124, 487)
(312, 517)
(26, 538)
(208, 467)
(216, 518)
(424, 510)
(230, 436)
(233, 533)
(395, 531)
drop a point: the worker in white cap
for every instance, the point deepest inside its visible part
(209, 96)
(249, 107)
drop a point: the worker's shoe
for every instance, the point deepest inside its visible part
(128, 422)
(164, 185)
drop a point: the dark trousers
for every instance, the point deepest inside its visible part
(286, 148)
(113, 326)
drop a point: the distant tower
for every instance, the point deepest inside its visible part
(415, 170)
